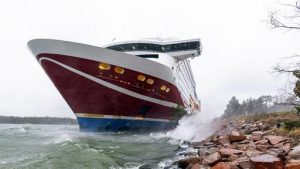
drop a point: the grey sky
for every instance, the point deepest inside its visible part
(239, 49)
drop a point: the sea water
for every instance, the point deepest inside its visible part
(64, 146)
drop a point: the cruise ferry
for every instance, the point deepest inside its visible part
(144, 84)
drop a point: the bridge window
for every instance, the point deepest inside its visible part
(155, 47)
(148, 56)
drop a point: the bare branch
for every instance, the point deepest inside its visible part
(297, 6)
(276, 22)
(293, 56)
(279, 69)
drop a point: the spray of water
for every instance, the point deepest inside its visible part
(194, 127)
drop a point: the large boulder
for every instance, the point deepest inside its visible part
(251, 152)
(226, 152)
(191, 160)
(295, 152)
(212, 159)
(245, 165)
(266, 161)
(235, 136)
(275, 139)
(292, 164)
(256, 136)
(221, 165)
(223, 140)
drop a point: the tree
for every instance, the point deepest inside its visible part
(290, 20)
(232, 108)
(260, 105)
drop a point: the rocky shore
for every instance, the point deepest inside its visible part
(242, 145)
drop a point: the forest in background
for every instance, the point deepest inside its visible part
(261, 105)
(36, 120)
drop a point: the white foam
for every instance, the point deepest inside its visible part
(194, 127)
(62, 139)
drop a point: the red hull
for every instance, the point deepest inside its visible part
(88, 98)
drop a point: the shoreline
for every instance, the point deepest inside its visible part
(242, 143)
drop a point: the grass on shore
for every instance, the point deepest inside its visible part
(290, 122)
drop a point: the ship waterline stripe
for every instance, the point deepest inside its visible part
(99, 116)
(111, 86)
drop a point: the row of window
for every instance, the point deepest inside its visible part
(155, 47)
(142, 78)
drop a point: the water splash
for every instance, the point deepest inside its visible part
(194, 127)
(64, 138)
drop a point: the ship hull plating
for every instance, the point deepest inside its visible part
(101, 108)
(106, 99)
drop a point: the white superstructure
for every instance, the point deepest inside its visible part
(175, 54)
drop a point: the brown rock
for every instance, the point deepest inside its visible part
(191, 160)
(266, 161)
(190, 166)
(292, 164)
(221, 165)
(212, 159)
(262, 147)
(245, 165)
(276, 152)
(197, 166)
(236, 137)
(242, 147)
(256, 136)
(234, 167)
(234, 157)
(226, 152)
(286, 147)
(275, 139)
(251, 152)
(262, 142)
(223, 140)
(243, 158)
(242, 163)
(233, 146)
(279, 145)
(244, 141)
(295, 152)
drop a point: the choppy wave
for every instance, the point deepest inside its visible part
(55, 146)
(63, 146)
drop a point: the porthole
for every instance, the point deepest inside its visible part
(163, 87)
(150, 81)
(104, 66)
(167, 90)
(119, 70)
(141, 77)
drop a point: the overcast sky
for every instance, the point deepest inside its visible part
(239, 48)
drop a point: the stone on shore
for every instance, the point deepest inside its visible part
(235, 136)
(229, 148)
(275, 139)
(256, 136)
(190, 160)
(292, 164)
(212, 159)
(221, 165)
(266, 161)
(295, 152)
(226, 152)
